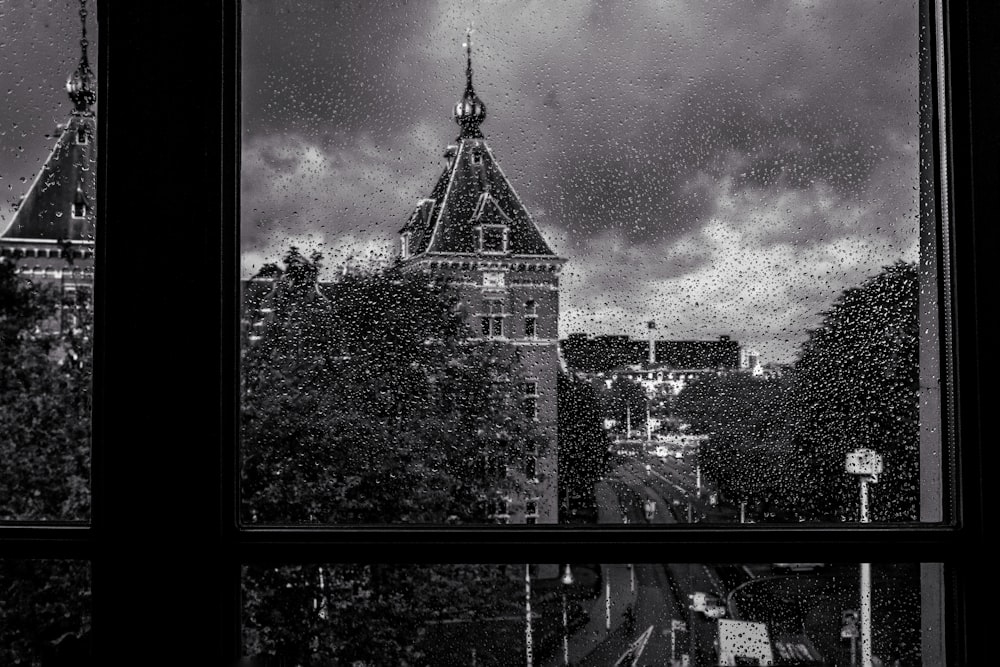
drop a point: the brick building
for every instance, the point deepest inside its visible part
(473, 230)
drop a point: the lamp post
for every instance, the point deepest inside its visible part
(867, 465)
(528, 649)
(567, 581)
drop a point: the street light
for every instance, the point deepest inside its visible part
(528, 647)
(567, 581)
(867, 465)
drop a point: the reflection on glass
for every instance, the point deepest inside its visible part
(44, 612)
(653, 284)
(582, 614)
(47, 228)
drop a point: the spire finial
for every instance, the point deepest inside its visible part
(80, 84)
(468, 60)
(470, 110)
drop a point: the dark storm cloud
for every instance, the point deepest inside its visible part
(328, 70)
(669, 136)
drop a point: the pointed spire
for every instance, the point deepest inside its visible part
(468, 63)
(470, 111)
(80, 84)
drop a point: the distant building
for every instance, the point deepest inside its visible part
(602, 354)
(51, 234)
(750, 361)
(475, 231)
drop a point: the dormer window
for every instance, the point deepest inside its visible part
(79, 209)
(477, 157)
(404, 245)
(81, 136)
(493, 239)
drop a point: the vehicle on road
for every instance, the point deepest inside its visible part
(707, 604)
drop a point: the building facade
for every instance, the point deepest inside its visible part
(474, 231)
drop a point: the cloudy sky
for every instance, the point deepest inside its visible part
(39, 49)
(719, 167)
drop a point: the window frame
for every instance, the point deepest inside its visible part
(167, 485)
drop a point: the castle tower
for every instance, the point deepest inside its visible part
(52, 231)
(474, 231)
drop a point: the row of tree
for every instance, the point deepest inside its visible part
(781, 443)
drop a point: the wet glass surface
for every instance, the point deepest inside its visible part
(660, 265)
(583, 614)
(45, 612)
(48, 219)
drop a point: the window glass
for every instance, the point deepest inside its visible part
(45, 612)
(721, 220)
(584, 614)
(48, 214)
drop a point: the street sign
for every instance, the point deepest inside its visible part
(678, 626)
(849, 624)
(863, 462)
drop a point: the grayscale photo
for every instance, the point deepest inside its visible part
(326, 325)
(581, 263)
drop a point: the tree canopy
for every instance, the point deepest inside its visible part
(46, 364)
(783, 442)
(401, 614)
(365, 402)
(45, 431)
(857, 385)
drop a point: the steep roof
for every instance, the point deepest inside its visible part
(472, 191)
(65, 181)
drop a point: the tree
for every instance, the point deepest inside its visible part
(404, 614)
(365, 402)
(583, 443)
(45, 403)
(857, 385)
(45, 400)
(747, 423)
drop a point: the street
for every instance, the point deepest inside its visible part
(664, 629)
(661, 629)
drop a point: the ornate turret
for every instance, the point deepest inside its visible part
(470, 111)
(51, 234)
(80, 84)
(475, 233)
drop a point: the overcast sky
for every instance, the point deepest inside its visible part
(718, 167)
(39, 49)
